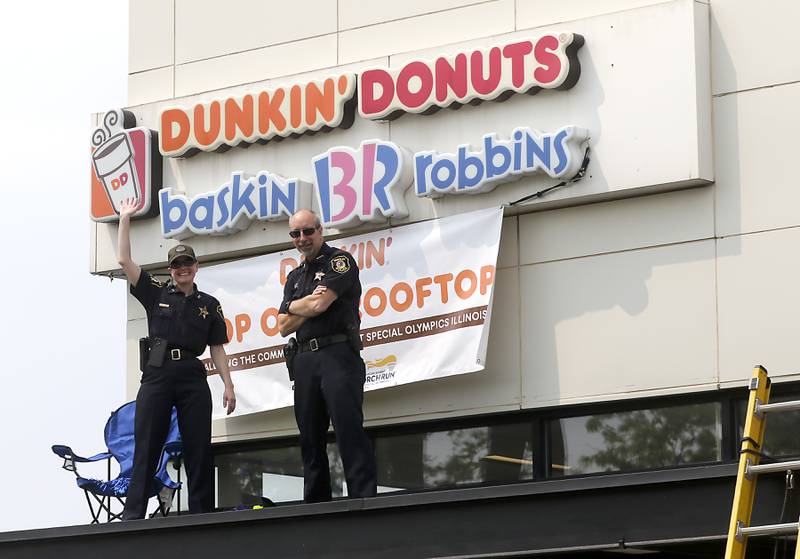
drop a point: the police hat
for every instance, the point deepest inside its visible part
(179, 251)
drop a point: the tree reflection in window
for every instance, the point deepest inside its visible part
(637, 440)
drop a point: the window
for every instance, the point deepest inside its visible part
(780, 436)
(635, 440)
(485, 454)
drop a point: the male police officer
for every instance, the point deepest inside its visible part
(320, 303)
(181, 321)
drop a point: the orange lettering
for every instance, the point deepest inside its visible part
(422, 291)
(473, 283)
(318, 102)
(207, 135)
(173, 140)
(374, 292)
(398, 288)
(441, 280)
(295, 106)
(242, 325)
(487, 278)
(240, 117)
(269, 111)
(270, 313)
(286, 266)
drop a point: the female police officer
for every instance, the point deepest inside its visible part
(181, 321)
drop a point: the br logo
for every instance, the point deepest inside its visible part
(126, 164)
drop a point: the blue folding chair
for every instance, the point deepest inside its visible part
(119, 441)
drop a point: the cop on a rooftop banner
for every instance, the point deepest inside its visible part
(425, 307)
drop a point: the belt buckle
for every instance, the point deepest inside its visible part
(313, 344)
(175, 354)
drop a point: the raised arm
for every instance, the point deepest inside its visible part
(131, 269)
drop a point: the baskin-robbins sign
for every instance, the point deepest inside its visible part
(368, 184)
(125, 164)
(352, 186)
(548, 61)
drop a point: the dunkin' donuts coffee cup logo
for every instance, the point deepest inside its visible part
(126, 164)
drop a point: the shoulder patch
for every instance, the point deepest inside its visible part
(219, 311)
(340, 264)
(155, 281)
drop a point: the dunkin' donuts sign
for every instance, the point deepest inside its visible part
(351, 185)
(546, 62)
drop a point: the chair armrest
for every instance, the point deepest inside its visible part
(70, 458)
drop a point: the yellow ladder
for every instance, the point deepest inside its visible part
(749, 467)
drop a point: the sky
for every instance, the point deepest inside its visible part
(63, 329)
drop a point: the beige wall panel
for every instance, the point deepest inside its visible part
(606, 327)
(151, 38)
(508, 255)
(535, 14)
(755, 148)
(759, 304)
(208, 28)
(135, 309)
(359, 13)
(136, 329)
(153, 85)
(659, 219)
(669, 148)
(496, 387)
(754, 44)
(441, 28)
(275, 423)
(255, 65)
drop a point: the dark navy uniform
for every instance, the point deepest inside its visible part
(188, 324)
(329, 377)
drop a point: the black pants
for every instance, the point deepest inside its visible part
(329, 387)
(181, 384)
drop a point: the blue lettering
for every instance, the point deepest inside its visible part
(241, 200)
(286, 198)
(439, 182)
(561, 154)
(170, 226)
(421, 163)
(323, 181)
(206, 204)
(492, 150)
(223, 206)
(391, 164)
(465, 162)
(537, 156)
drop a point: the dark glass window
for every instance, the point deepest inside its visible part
(635, 440)
(486, 454)
(780, 435)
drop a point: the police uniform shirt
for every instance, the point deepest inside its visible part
(336, 270)
(188, 323)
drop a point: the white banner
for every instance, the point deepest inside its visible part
(425, 307)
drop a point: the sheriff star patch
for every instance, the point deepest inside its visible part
(319, 275)
(340, 264)
(203, 311)
(155, 281)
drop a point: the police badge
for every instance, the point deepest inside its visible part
(340, 264)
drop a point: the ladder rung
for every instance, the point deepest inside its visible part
(769, 529)
(778, 406)
(776, 467)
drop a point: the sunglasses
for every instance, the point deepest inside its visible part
(308, 231)
(182, 263)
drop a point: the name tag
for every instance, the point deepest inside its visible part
(163, 305)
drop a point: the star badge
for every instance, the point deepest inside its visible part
(319, 275)
(203, 311)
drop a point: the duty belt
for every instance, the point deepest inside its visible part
(315, 344)
(178, 354)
